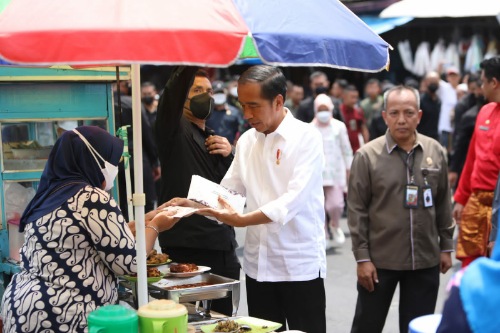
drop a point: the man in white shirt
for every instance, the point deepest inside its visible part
(278, 166)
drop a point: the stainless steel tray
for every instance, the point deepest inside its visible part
(218, 287)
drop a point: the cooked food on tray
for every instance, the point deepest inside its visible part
(231, 326)
(183, 268)
(155, 258)
(188, 285)
(152, 272)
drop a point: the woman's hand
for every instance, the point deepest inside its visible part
(164, 220)
(183, 202)
(131, 226)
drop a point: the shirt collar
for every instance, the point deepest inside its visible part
(285, 128)
(390, 144)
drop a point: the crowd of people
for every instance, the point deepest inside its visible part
(393, 158)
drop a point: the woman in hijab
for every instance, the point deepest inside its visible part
(76, 239)
(338, 159)
(474, 299)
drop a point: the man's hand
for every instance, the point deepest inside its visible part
(367, 275)
(218, 145)
(156, 173)
(457, 212)
(452, 178)
(226, 214)
(445, 264)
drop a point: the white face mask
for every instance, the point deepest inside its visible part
(219, 98)
(109, 172)
(234, 91)
(324, 116)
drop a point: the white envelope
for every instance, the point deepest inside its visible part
(207, 192)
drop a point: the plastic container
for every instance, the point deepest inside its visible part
(16, 239)
(163, 316)
(113, 319)
(425, 324)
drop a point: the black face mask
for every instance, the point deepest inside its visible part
(201, 105)
(148, 100)
(321, 90)
(433, 87)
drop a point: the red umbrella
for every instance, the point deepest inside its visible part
(121, 31)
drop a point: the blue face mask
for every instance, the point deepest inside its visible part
(109, 171)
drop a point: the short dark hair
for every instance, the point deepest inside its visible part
(342, 83)
(399, 89)
(373, 81)
(317, 74)
(202, 73)
(146, 84)
(474, 78)
(271, 79)
(491, 68)
(351, 87)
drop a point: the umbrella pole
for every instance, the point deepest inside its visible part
(138, 198)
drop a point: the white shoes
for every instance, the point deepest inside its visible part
(338, 235)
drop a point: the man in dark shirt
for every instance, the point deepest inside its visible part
(430, 105)
(319, 85)
(225, 119)
(186, 148)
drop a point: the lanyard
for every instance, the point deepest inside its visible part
(409, 162)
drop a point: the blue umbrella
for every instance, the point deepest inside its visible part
(315, 33)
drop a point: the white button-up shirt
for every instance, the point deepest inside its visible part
(281, 175)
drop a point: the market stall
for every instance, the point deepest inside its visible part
(173, 32)
(36, 104)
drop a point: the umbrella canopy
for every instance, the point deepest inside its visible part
(442, 8)
(189, 32)
(195, 32)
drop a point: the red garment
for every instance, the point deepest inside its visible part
(483, 157)
(354, 120)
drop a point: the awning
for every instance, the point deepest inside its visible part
(442, 8)
(380, 25)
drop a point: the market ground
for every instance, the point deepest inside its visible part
(340, 286)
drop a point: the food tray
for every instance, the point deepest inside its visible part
(31, 153)
(218, 287)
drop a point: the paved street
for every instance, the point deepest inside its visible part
(341, 289)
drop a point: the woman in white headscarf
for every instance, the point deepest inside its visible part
(338, 159)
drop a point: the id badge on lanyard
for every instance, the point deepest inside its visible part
(412, 190)
(411, 196)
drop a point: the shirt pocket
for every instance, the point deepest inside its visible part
(432, 176)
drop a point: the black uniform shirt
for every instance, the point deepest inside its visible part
(182, 152)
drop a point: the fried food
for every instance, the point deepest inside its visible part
(227, 326)
(155, 258)
(189, 285)
(183, 268)
(152, 272)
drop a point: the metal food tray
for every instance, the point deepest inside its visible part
(218, 287)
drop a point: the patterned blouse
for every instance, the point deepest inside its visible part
(70, 260)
